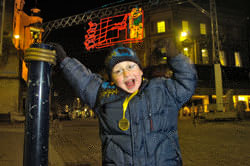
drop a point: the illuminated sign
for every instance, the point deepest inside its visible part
(125, 28)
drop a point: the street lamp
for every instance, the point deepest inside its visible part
(183, 36)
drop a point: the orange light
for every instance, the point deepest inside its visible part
(16, 36)
(136, 24)
(24, 71)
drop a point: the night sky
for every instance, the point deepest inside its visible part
(58, 9)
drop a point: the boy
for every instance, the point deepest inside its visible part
(138, 117)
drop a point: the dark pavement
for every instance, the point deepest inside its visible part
(76, 143)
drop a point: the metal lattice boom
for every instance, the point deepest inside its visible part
(104, 12)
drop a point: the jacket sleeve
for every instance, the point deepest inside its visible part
(182, 86)
(83, 81)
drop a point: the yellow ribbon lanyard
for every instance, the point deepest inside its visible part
(124, 123)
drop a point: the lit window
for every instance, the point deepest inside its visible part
(161, 27)
(203, 30)
(237, 59)
(222, 58)
(242, 98)
(205, 58)
(184, 33)
(185, 26)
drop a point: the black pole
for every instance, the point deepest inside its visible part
(39, 58)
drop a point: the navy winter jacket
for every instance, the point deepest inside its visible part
(152, 139)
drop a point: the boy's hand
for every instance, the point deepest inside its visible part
(171, 49)
(60, 53)
(167, 47)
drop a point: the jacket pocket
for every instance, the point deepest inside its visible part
(113, 155)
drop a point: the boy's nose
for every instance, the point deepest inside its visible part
(125, 72)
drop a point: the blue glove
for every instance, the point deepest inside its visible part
(166, 47)
(60, 52)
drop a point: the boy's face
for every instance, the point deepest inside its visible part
(127, 75)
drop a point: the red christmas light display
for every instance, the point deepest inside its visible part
(125, 28)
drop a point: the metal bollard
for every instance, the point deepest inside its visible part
(39, 58)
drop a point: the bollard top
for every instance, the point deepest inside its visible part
(42, 45)
(41, 52)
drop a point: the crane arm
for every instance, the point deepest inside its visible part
(104, 12)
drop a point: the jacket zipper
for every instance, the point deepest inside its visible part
(149, 113)
(151, 126)
(132, 136)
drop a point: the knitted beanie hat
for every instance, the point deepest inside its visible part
(120, 54)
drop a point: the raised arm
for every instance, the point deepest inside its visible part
(182, 84)
(83, 81)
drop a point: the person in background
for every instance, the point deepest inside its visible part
(138, 117)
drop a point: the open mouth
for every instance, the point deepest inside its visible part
(130, 83)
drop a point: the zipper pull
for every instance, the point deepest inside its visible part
(151, 123)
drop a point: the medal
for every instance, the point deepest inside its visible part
(124, 122)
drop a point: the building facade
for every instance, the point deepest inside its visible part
(9, 62)
(192, 31)
(17, 30)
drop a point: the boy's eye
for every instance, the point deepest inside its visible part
(131, 66)
(118, 71)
